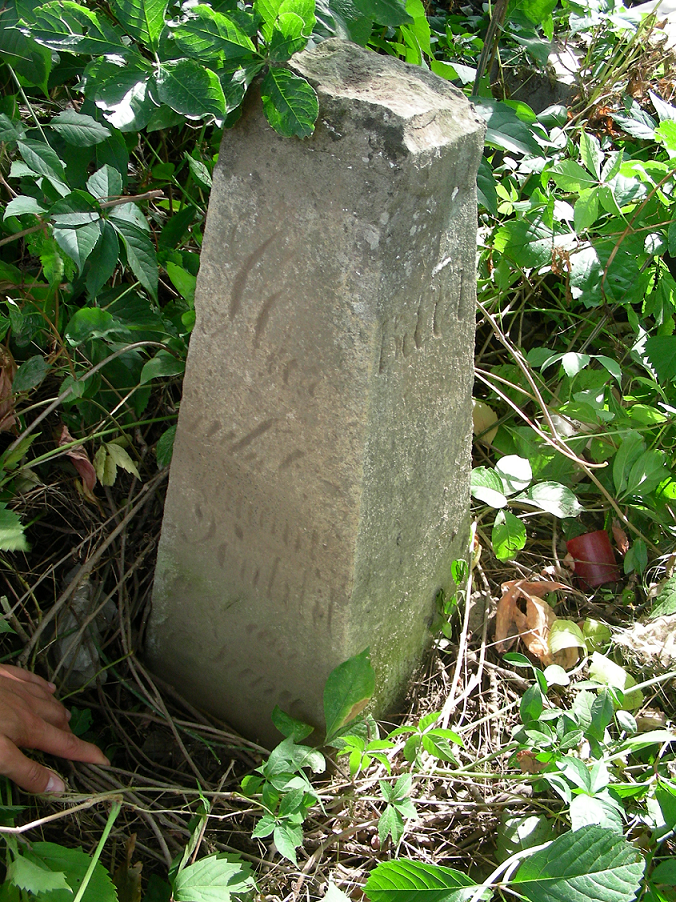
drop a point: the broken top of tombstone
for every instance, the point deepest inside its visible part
(320, 479)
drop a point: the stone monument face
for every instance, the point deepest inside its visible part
(320, 480)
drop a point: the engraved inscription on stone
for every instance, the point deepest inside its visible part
(319, 484)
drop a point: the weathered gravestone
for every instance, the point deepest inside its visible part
(319, 484)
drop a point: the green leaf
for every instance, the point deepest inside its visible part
(199, 172)
(508, 536)
(415, 881)
(28, 59)
(586, 210)
(120, 88)
(143, 19)
(207, 34)
(78, 129)
(103, 260)
(504, 128)
(290, 103)
(565, 634)
(12, 536)
(76, 209)
(570, 176)
(21, 205)
(591, 153)
(591, 863)
(486, 486)
(190, 89)
(74, 864)
(384, 12)
(213, 879)
(666, 600)
(34, 878)
(287, 37)
(65, 26)
(531, 705)
(527, 244)
(93, 322)
(78, 243)
(289, 726)
(105, 182)
(183, 281)
(607, 672)
(30, 374)
(162, 364)
(121, 458)
(390, 823)
(165, 447)
(665, 873)
(141, 255)
(515, 834)
(347, 691)
(40, 157)
(554, 498)
(661, 352)
(9, 459)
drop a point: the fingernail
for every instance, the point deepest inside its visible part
(52, 686)
(68, 716)
(55, 784)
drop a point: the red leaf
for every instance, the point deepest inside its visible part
(80, 461)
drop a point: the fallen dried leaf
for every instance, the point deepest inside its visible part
(533, 625)
(528, 763)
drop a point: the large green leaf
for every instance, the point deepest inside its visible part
(661, 352)
(40, 157)
(385, 12)
(29, 59)
(190, 89)
(287, 37)
(592, 863)
(121, 90)
(65, 26)
(527, 244)
(143, 19)
(80, 130)
(34, 878)
(290, 103)
(554, 498)
(141, 255)
(73, 863)
(213, 879)
(504, 129)
(415, 881)
(22, 205)
(508, 535)
(103, 259)
(207, 34)
(105, 182)
(347, 691)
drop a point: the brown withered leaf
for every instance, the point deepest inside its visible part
(81, 462)
(528, 763)
(532, 626)
(7, 373)
(620, 536)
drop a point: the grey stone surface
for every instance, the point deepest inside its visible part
(319, 484)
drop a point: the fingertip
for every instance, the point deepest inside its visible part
(55, 784)
(51, 687)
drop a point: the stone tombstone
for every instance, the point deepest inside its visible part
(320, 479)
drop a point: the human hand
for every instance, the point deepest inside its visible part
(31, 718)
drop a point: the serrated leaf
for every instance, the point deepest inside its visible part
(570, 176)
(666, 600)
(76, 209)
(165, 447)
(390, 823)
(347, 691)
(586, 210)
(661, 352)
(12, 536)
(508, 536)
(34, 878)
(207, 34)
(29, 59)
(190, 89)
(78, 243)
(143, 19)
(30, 374)
(65, 26)
(213, 879)
(40, 157)
(290, 103)
(21, 205)
(288, 837)
(416, 881)
(105, 182)
(287, 37)
(590, 863)
(122, 459)
(141, 255)
(74, 864)
(78, 129)
(591, 153)
(122, 92)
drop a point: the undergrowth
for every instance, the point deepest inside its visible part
(511, 776)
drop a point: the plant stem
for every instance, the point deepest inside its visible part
(114, 811)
